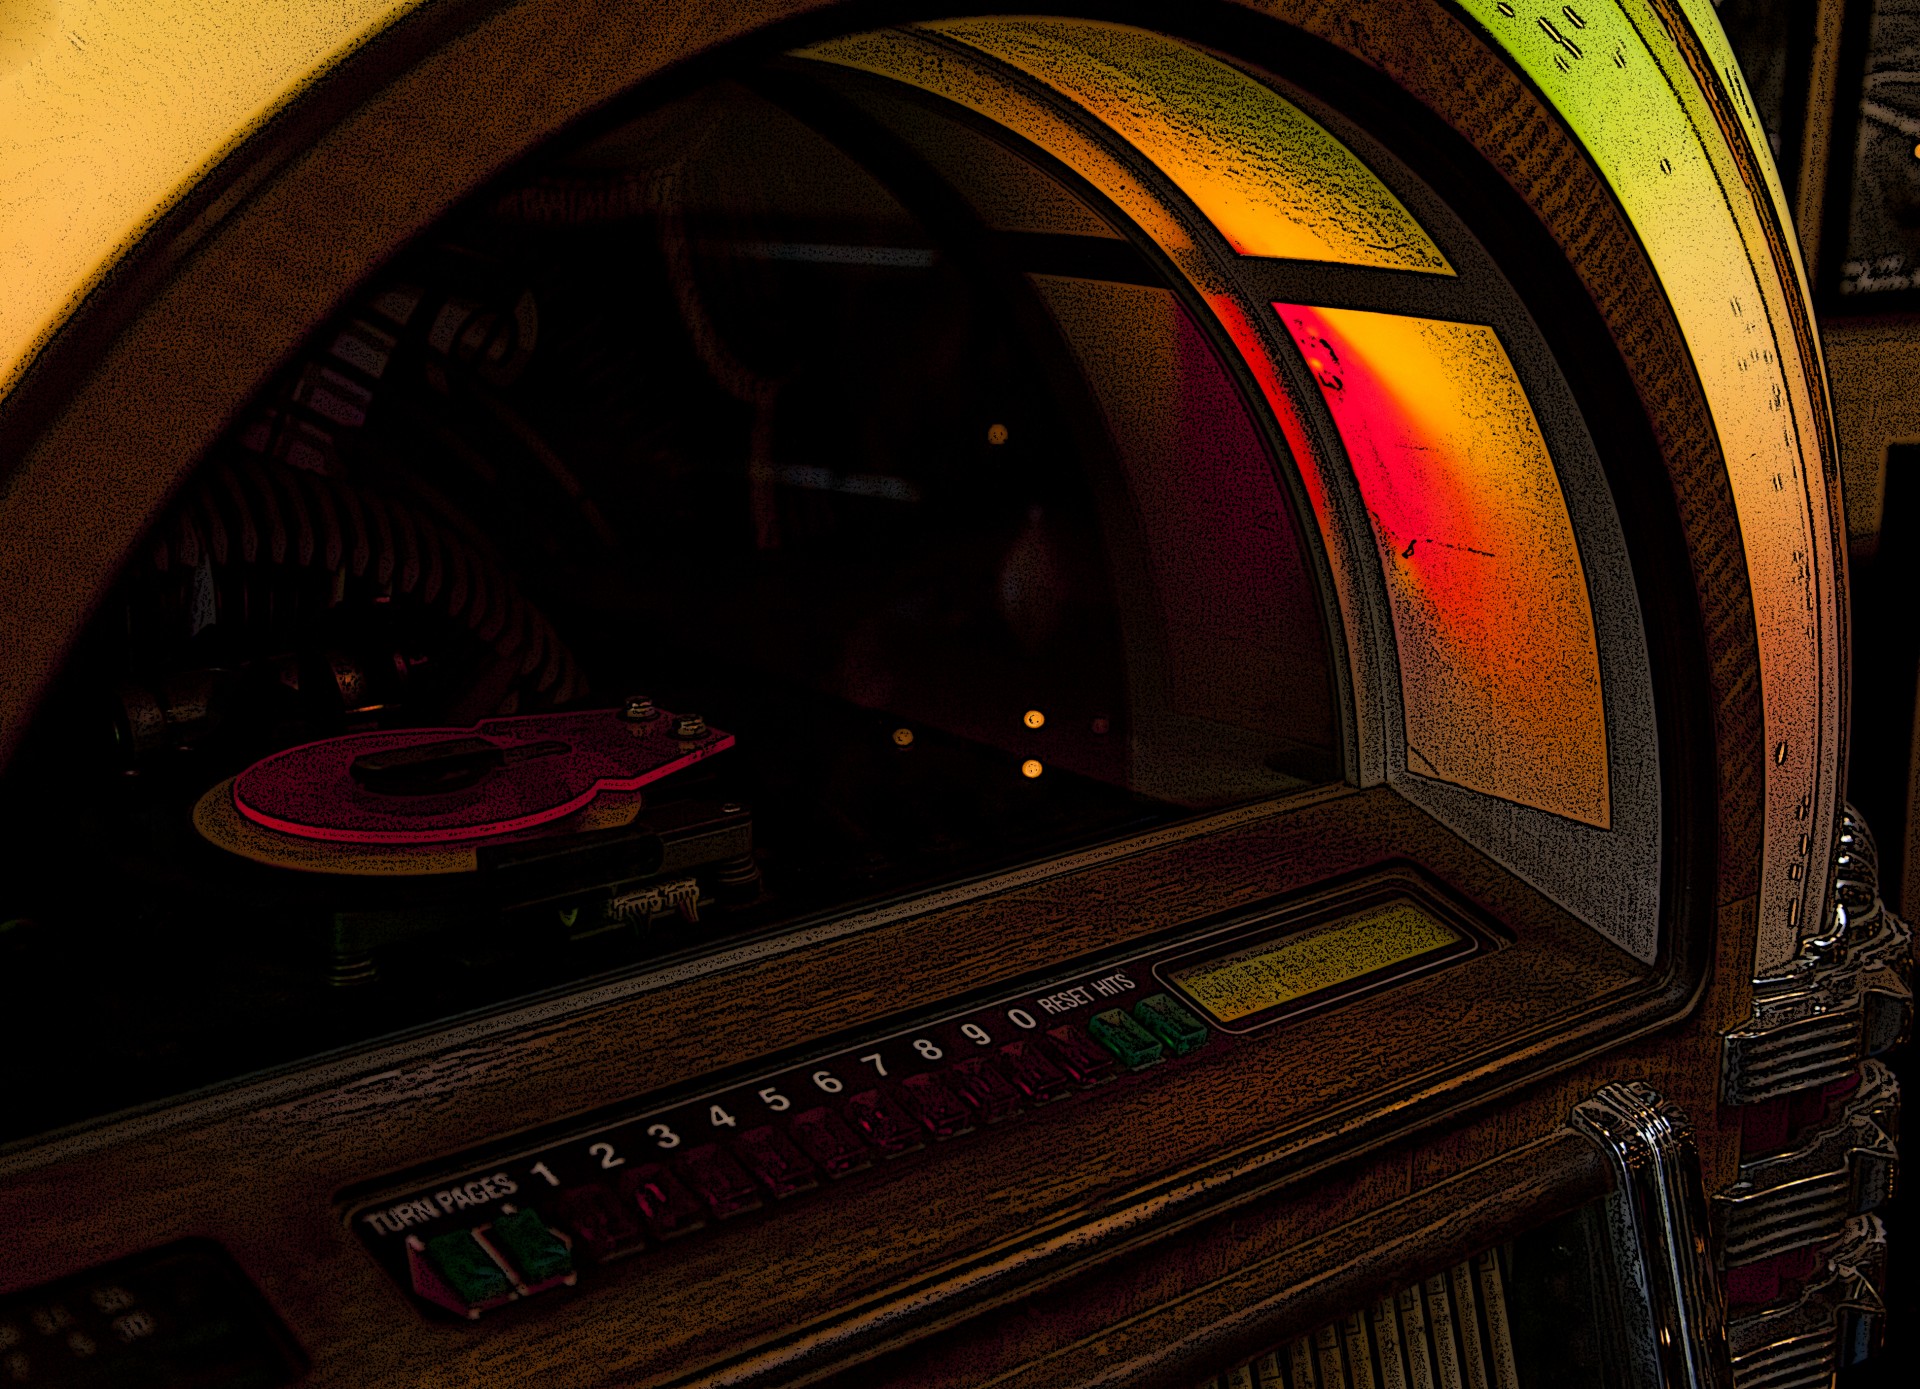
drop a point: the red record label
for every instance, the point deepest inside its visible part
(436, 785)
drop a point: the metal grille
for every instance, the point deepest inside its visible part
(1449, 1332)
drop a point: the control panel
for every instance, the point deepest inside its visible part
(183, 1315)
(529, 1222)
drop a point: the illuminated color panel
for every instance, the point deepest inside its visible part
(115, 108)
(1271, 179)
(1499, 670)
(1278, 972)
(1625, 87)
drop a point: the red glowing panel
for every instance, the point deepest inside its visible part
(1499, 671)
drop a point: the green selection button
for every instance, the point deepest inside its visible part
(474, 1277)
(1136, 1047)
(1180, 1030)
(530, 1246)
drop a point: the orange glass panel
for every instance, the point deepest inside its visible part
(1269, 177)
(1499, 670)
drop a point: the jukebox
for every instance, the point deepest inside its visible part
(860, 694)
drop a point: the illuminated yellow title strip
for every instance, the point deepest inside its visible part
(1274, 973)
(1621, 81)
(111, 110)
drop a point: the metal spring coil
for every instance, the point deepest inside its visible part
(256, 513)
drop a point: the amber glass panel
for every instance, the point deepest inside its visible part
(1500, 674)
(1272, 180)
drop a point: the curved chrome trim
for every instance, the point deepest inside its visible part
(1846, 994)
(1834, 1321)
(1675, 1309)
(1802, 1195)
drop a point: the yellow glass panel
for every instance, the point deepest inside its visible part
(1499, 670)
(1270, 178)
(113, 108)
(1277, 972)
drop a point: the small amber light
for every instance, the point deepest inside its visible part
(996, 434)
(1033, 718)
(903, 737)
(1031, 768)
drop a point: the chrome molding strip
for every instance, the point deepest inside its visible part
(1674, 1303)
(1799, 1197)
(1834, 1321)
(1846, 995)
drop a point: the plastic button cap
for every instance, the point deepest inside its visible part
(599, 1221)
(719, 1181)
(535, 1251)
(1178, 1029)
(780, 1167)
(829, 1142)
(469, 1270)
(987, 1093)
(883, 1124)
(665, 1207)
(1084, 1061)
(942, 1111)
(1032, 1070)
(1115, 1030)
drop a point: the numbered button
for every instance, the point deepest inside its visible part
(50, 1321)
(829, 1142)
(599, 1221)
(134, 1326)
(883, 1124)
(986, 1092)
(719, 1181)
(112, 1298)
(1081, 1057)
(1032, 1071)
(665, 1207)
(943, 1113)
(779, 1166)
